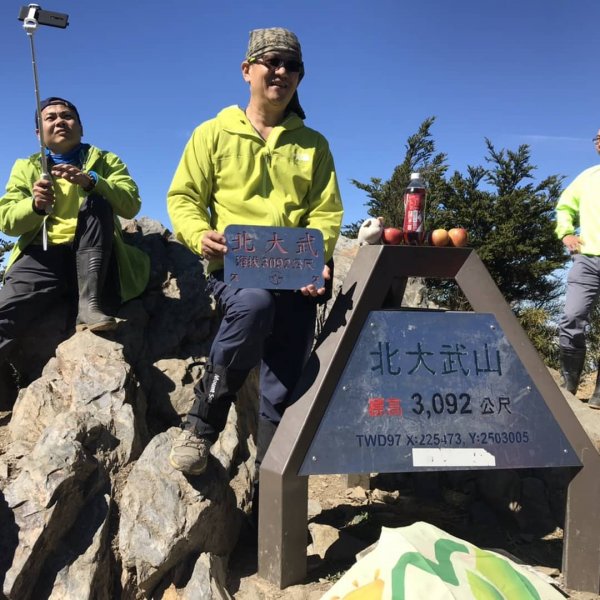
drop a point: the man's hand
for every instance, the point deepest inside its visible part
(573, 243)
(213, 245)
(73, 175)
(311, 290)
(43, 195)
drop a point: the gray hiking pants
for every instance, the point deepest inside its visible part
(583, 287)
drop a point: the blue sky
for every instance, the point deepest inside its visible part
(144, 74)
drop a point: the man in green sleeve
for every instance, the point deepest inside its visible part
(257, 166)
(78, 207)
(580, 204)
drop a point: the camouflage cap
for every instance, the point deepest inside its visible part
(277, 39)
(273, 39)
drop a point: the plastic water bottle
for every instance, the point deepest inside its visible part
(414, 209)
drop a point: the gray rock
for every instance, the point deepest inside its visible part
(46, 497)
(333, 544)
(241, 425)
(314, 508)
(89, 376)
(166, 517)
(208, 579)
(182, 311)
(322, 536)
(83, 571)
(76, 429)
(171, 392)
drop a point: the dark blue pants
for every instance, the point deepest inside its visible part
(39, 278)
(273, 329)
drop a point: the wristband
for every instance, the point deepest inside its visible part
(94, 178)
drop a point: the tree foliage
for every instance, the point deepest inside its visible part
(509, 218)
(5, 248)
(510, 224)
(385, 199)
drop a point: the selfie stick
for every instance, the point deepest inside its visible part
(29, 16)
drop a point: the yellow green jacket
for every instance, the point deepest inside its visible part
(18, 219)
(229, 175)
(579, 205)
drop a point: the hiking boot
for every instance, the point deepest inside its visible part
(189, 453)
(594, 401)
(92, 265)
(214, 394)
(571, 366)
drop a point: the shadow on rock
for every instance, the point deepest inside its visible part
(9, 538)
(79, 566)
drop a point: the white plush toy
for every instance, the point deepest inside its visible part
(370, 232)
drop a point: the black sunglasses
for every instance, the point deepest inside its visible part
(291, 65)
(596, 139)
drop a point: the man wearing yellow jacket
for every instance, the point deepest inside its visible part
(79, 206)
(258, 166)
(580, 204)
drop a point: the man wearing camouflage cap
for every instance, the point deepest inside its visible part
(257, 166)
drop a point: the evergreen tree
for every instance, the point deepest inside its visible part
(385, 199)
(510, 224)
(509, 218)
(5, 248)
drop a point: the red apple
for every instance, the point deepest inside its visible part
(392, 236)
(458, 236)
(439, 237)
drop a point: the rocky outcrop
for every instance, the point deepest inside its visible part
(89, 505)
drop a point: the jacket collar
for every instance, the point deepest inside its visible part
(234, 120)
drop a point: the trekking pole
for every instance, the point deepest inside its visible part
(33, 16)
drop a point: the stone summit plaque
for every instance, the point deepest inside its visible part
(277, 258)
(435, 391)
